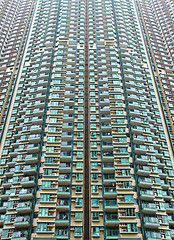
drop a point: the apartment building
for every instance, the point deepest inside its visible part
(85, 152)
(157, 19)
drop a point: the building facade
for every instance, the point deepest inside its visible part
(157, 18)
(86, 148)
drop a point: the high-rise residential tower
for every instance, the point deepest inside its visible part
(157, 19)
(86, 149)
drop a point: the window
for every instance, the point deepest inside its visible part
(52, 129)
(79, 125)
(92, 100)
(131, 227)
(93, 144)
(79, 165)
(46, 184)
(94, 177)
(94, 189)
(78, 216)
(95, 202)
(94, 154)
(93, 125)
(78, 189)
(78, 202)
(94, 165)
(79, 144)
(96, 231)
(44, 197)
(51, 139)
(49, 149)
(80, 117)
(95, 216)
(128, 198)
(93, 134)
(79, 154)
(43, 211)
(93, 109)
(53, 120)
(41, 227)
(79, 134)
(79, 176)
(78, 231)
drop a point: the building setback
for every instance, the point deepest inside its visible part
(86, 150)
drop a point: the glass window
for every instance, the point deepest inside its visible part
(96, 231)
(78, 216)
(45, 197)
(78, 202)
(95, 216)
(42, 227)
(79, 165)
(94, 165)
(95, 202)
(43, 211)
(78, 189)
(78, 231)
(94, 189)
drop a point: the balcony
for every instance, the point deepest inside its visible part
(65, 156)
(63, 191)
(66, 146)
(153, 235)
(31, 158)
(108, 178)
(110, 192)
(138, 139)
(137, 130)
(62, 219)
(64, 179)
(132, 97)
(111, 219)
(28, 181)
(63, 204)
(4, 207)
(61, 233)
(34, 138)
(30, 170)
(66, 136)
(2, 217)
(36, 129)
(24, 207)
(169, 207)
(19, 235)
(136, 121)
(166, 195)
(147, 195)
(108, 167)
(107, 156)
(111, 205)
(65, 167)
(151, 222)
(112, 233)
(140, 159)
(149, 208)
(145, 182)
(5, 195)
(22, 222)
(140, 149)
(107, 146)
(143, 171)
(26, 194)
(171, 220)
